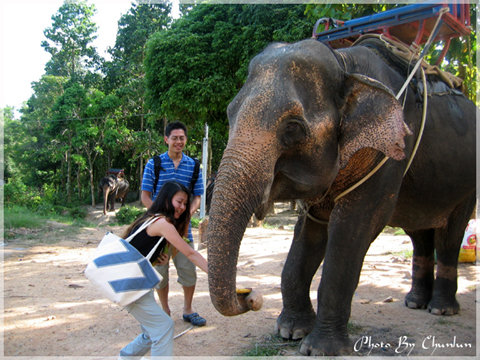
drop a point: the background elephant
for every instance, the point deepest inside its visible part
(113, 188)
(309, 123)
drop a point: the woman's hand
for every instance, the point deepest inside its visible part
(163, 228)
(162, 259)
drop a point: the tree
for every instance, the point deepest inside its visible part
(37, 149)
(195, 69)
(125, 77)
(67, 111)
(461, 58)
(76, 60)
(90, 133)
(13, 137)
(69, 40)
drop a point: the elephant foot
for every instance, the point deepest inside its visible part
(442, 306)
(316, 345)
(295, 326)
(417, 300)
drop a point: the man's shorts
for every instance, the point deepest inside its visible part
(186, 270)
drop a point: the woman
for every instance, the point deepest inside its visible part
(157, 327)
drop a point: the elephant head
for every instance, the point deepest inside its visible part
(295, 123)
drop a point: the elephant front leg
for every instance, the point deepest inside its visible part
(345, 252)
(111, 202)
(297, 318)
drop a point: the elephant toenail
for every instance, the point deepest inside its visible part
(298, 334)
(412, 305)
(285, 333)
(436, 311)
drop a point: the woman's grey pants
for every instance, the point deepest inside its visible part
(157, 329)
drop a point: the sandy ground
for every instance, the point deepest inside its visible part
(50, 309)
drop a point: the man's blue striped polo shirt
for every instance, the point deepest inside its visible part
(182, 174)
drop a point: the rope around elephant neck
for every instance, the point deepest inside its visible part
(422, 126)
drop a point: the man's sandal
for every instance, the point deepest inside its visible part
(195, 319)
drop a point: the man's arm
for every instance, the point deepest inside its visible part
(146, 198)
(147, 184)
(195, 204)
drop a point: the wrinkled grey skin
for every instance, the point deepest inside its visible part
(113, 188)
(301, 126)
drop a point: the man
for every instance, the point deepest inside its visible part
(176, 166)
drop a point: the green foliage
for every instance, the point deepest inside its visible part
(195, 222)
(266, 225)
(68, 40)
(20, 221)
(460, 59)
(78, 212)
(33, 137)
(128, 214)
(79, 121)
(196, 68)
(406, 254)
(270, 345)
(136, 134)
(134, 29)
(353, 328)
(394, 230)
(21, 217)
(46, 202)
(15, 193)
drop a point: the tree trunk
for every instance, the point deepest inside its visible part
(90, 171)
(109, 159)
(92, 188)
(79, 183)
(63, 177)
(69, 177)
(140, 168)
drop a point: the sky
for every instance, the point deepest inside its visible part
(22, 59)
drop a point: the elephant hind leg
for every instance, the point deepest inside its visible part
(423, 264)
(447, 244)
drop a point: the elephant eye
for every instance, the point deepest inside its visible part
(293, 133)
(291, 127)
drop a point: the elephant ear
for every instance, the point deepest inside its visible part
(372, 117)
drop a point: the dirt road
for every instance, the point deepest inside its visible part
(50, 309)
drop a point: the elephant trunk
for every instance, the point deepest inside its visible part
(241, 186)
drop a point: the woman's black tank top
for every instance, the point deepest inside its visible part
(144, 243)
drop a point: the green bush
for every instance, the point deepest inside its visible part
(19, 217)
(195, 222)
(46, 208)
(128, 214)
(78, 212)
(15, 193)
(270, 345)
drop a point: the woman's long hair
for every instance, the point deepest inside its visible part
(163, 205)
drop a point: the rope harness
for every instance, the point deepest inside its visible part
(410, 54)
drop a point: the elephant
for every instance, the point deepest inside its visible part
(310, 123)
(113, 188)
